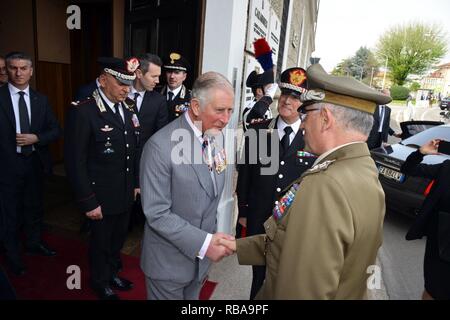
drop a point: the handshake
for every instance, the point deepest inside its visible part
(221, 245)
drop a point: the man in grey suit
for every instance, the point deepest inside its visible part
(182, 178)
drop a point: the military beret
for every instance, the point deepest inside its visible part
(293, 81)
(121, 69)
(176, 62)
(339, 90)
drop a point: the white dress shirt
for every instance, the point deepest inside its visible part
(139, 99)
(15, 96)
(111, 105)
(175, 92)
(281, 124)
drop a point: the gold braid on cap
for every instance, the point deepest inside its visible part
(292, 87)
(120, 75)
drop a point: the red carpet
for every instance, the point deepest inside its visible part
(46, 277)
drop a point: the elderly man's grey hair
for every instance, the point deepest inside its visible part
(351, 119)
(206, 82)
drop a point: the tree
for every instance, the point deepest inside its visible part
(358, 66)
(342, 68)
(414, 86)
(411, 49)
(362, 64)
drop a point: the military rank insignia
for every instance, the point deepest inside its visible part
(220, 161)
(106, 128)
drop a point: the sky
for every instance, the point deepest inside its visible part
(344, 26)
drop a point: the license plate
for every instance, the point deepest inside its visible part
(391, 174)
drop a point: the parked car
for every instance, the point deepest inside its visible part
(405, 194)
(445, 103)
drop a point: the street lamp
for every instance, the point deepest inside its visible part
(385, 69)
(371, 77)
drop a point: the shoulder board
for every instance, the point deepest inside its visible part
(98, 100)
(80, 102)
(320, 167)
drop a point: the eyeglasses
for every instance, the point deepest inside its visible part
(304, 113)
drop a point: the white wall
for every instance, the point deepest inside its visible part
(223, 51)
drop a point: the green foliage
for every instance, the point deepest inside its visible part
(411, 49)
(359, 66)
(399, 92)
(414, 86)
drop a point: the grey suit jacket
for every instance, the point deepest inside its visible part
(179, 202)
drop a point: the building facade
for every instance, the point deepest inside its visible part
(438, 81)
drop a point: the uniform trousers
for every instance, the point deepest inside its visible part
(107, 238)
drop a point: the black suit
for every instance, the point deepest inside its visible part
(85, 91)
(258, 192)
(153, 115)
(179, 104)
(100, 155)
(376, 138)
(433, 221)
(21, 179)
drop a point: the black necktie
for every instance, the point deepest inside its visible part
(285, 140)
(136, 96)
(24, 122)
(170, 93)
(119, 117)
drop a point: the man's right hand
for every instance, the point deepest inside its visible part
(430, 148)
(243, 222)
(216, 251)
(270, 89)
(95, 214)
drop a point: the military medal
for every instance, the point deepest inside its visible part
(220, 161)
(304, 154)
(135, 121)
(285, 202)
(181, 108)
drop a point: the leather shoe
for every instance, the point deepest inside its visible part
(105, 293)
(16, 267)
(121, 284)
(41, 249)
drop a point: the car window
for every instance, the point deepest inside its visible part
(439, 132)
